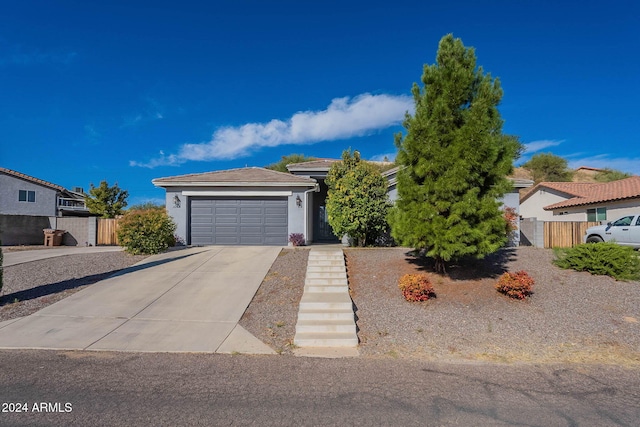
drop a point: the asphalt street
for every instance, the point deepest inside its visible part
(52, 388)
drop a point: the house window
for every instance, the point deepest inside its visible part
(597, 214)
(27, 196)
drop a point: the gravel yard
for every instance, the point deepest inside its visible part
(571, 316)
(32, 286)
(273, 312)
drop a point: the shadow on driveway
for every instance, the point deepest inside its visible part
(54, 288)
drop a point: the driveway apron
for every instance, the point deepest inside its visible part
(182, 301)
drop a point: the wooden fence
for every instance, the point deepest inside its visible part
(565, 234)
(107, 228)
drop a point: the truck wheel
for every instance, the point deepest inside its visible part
(594, 239)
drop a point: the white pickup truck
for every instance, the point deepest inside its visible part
(623, 231)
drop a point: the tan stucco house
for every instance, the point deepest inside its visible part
(582, 201)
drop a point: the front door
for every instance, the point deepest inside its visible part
(322, 231)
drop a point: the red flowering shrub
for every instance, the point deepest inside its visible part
(416, 287)
(511, 217)
(515, 285)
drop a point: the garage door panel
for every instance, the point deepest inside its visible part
(248, 221)
(202, 210)
(251, 220)
(252, 211)
(227, 220)
(226, 211)
(226, 240)
(250, 231)
(275, 220)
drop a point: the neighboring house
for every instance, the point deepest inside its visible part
(584, 201)
(22, 194)
(257, 206)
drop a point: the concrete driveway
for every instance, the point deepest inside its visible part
(183, 301)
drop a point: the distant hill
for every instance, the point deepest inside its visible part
(582, 174)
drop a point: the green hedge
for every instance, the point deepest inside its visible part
(146, 231)
(610, 259)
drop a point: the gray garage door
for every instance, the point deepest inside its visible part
(239, 221)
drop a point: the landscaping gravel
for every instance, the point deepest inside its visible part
(571, 316)
(32, 286)
(273, 312)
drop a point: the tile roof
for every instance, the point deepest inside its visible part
(571, 189)
(592, 193)
(31, 179)
(236, 177)
(318, 164)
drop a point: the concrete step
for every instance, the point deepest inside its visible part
(326, 258)
(328, 275)
(337, 281)
(325, 262)
(334, 314)
(325, 303)
(326, 325)
(326, 288)
(326, 339)
(325, 316)
(324, 269)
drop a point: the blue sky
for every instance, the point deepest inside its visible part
(128, 91)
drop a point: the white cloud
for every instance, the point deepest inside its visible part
(535, 146)
(344, 118)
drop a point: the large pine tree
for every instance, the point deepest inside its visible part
(456, 161)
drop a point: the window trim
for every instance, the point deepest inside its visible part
(597, 212)
(27, 196)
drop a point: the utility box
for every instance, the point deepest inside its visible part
(53, 237)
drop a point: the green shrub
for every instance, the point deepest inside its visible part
(515, 285)
(610, 259)
(148, 231)
(416, 287)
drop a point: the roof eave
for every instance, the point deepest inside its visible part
(231, 184)
(587, 203)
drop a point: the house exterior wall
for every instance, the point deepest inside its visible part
(23, 229)
(512, 200)
(296, 219)
(45, 204)
(615, 210)
(179, 211)
(532, 207)
(392, 192)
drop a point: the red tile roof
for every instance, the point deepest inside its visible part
(31, 179)
(571, 189)
(622, 189)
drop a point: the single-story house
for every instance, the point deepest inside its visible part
(22, 194)
(582, 201)
(257, 206)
